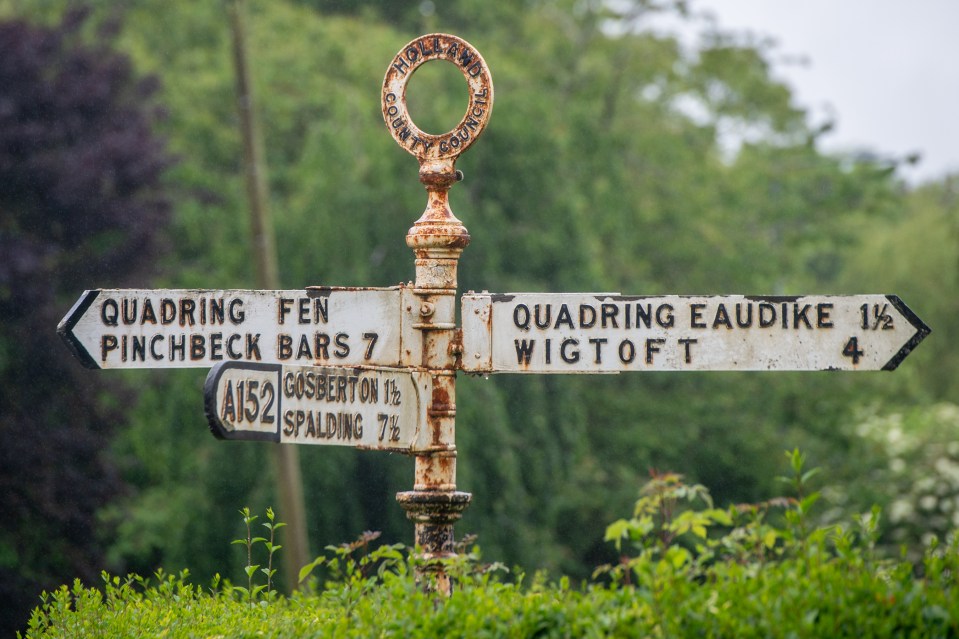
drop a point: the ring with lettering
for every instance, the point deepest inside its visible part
(437, 46)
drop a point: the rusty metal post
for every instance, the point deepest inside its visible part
(437, 240)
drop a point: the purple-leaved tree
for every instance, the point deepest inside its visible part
(81, 204)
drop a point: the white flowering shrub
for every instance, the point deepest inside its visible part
(917, 478)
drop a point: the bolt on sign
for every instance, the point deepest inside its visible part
(199, 328)
(372, 408)
(612, 333)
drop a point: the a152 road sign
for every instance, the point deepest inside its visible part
(198, 328)
(611, 333)
(360, 407)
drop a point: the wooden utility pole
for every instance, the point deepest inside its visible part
(286, 459)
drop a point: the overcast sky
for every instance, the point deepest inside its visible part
(886, 71)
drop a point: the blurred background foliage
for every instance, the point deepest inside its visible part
(616, 159)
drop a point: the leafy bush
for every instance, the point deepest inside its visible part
(757, 570)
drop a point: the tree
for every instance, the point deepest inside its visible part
(80, 203)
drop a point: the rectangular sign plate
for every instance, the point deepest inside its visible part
(611, 333)
(368, 408)
(198, 328)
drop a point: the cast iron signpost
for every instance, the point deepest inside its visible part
(376, 368)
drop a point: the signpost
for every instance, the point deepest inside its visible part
(612, 333)
(371, 408)
(199, 328)
(376, 368)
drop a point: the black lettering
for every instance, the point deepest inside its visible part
(167, 311)
(253, 347)
(321, 310)
(228, 409)
(687, 342)
(608, 312)
(598, 341)
(197, 347)
(696, 316)
(644, 315)
(186, 312)
(229, 347)
(149, 315)
(321, 345)
(217, 308)
(544, 321)
(627, 351)
(664, 316)
(153, 347)
(129, 310)
(299, 420)
(303, 350)
(237, 314)
(107, 343)
(652, 346)
(177, 348)
(109, 312)
(748, 321)
(822, 315)
(583, 321)
(569, 357)
(288, 423)
(216, 347)
(521, 317)
(284, 346)
(563, 317)
(139, 346)
(722, 317)
(284, 309)
(524, 350)
(401, 66)
(342, 347)
(767, 315)
(800, 315)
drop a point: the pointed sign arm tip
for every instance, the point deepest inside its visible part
(69, 321)
(922, 330)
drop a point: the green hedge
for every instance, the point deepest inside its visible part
(803, 597)
(686, 569)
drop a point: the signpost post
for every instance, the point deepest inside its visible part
(376, 368)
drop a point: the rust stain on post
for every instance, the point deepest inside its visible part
(437, 239)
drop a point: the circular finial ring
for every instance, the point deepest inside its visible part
(437, 46)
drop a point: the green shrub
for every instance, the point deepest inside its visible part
(687, 569)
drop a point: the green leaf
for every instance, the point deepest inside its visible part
(308, 568)
(769, 539)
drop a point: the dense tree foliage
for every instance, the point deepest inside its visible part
(616, 159)
(79, 203)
